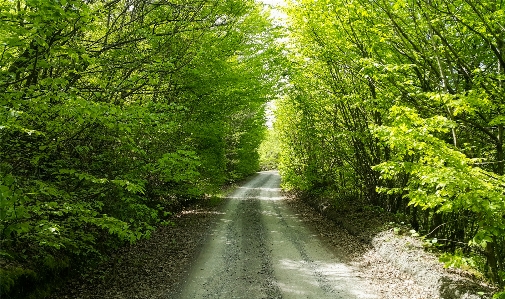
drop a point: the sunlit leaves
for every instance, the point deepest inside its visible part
(113, 112)
(404, 98)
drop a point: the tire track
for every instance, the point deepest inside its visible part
(260, 249)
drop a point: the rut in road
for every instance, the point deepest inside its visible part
(260, 249)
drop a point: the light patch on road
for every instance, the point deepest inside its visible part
(260, 249)
(261, 193)
(268, 198)
(261, 189)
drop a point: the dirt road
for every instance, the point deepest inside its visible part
(260, 249)
(255, 246)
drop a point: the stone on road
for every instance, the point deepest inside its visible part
(261, 249)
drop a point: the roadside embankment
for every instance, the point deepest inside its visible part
(397, 261)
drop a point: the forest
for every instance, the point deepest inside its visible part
(115, 114)
(399, 106)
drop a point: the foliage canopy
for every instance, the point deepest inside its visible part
(399, 104)
(113, 113)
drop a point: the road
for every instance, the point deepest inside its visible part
(261, 249)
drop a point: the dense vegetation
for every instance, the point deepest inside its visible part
(269, 151)
(112, 114)
(399, 105)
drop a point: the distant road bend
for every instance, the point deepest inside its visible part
(260, 249)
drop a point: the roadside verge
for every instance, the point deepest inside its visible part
(396, 263)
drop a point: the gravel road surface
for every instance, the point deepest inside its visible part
(260, 249)
(256, 244)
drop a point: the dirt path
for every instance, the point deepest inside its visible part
(260, 245)
(260, 249)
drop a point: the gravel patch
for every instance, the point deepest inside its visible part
(260, 249)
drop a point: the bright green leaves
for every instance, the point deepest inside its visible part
(441, 178)
(409, 134)
(180, 166)
(269, 151)
(112, 114)
(399, 104)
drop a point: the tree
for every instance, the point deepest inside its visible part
(401, 103)
(115, 113)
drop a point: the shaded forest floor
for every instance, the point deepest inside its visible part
(150, 268)
(396, 266)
